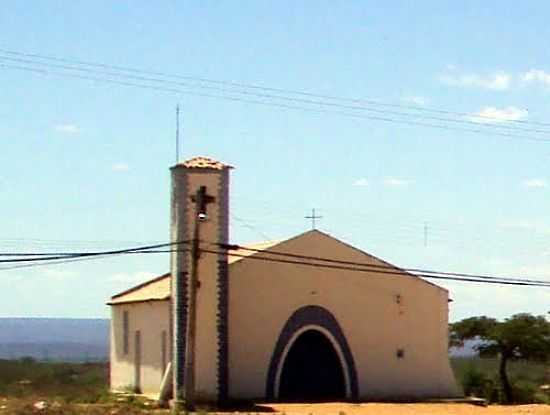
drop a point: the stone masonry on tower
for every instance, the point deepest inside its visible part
(210, 368)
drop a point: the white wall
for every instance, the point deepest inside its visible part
(263, 295)
(151, 319)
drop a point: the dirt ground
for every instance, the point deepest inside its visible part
(10, 406)
(408, 409)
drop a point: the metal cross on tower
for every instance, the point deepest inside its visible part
(313, 218)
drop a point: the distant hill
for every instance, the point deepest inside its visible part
(80, 340)
(65, 339)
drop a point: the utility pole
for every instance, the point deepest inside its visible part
(201, 200)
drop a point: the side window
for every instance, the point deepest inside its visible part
(163, 346)
(125, 332)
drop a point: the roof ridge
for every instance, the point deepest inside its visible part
(141, 285)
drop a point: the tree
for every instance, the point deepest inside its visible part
(522, 336)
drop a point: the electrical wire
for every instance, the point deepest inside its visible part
(395, 271)
(308, 101)
(296, 259)
(251, 227)
(415, 271)
(64, 255)
(230, 250)
(482, 128)
(261, 88)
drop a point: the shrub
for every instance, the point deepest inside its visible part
(524, 392)
(477, 383)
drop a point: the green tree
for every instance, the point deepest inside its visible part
(522, 336)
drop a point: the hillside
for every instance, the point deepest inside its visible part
(61, 339)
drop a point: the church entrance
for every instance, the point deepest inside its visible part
(312, 371)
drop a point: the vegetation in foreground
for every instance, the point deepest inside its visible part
(49, 388)
(67, 382)
(480, 377)
(522, 337)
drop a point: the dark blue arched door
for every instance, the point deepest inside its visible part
(312, 371)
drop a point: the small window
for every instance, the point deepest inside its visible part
(163, 346)
(400, 353)
(125, 332)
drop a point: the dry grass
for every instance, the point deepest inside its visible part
(80, 389)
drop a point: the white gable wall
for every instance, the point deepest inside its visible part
(263, 295)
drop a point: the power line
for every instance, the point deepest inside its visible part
(231, 248)
(307, 101)
(55, 262)
(297, 259)
(415, 271)
(481, 128)
(387, 266)
(85, 258)
(64, 255)
(248, 225)
(264, 88)
(395, 271)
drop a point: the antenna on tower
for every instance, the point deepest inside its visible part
(177, 133)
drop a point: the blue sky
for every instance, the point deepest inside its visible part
(85, 164)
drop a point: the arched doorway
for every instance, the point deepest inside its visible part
(317, 319)
(312, 370)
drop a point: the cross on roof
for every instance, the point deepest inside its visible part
(313, 218)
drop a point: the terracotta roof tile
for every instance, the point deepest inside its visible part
(153, 290)
(158, 288)
(203, 163)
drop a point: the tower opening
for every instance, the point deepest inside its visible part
(312, 371)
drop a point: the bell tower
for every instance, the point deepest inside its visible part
(199, 223)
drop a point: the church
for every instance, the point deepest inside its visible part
(310, 318)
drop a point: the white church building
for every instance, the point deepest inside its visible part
(275, 322)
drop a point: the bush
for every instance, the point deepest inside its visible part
(69, 382)
(479, 384)
(479, 377)
(524, 392)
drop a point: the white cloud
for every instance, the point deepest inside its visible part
(416, 100)
(69, 129)
(490, 115)
(132, 278)
(536, 75)
(534, 271)
(499, 81)
(362, 182)
(526, 225)
(59, 274)
(121, 167)
(395, 182)
(496, 300)
(535, 183)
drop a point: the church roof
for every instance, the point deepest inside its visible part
(202, 162)
(158, 288)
